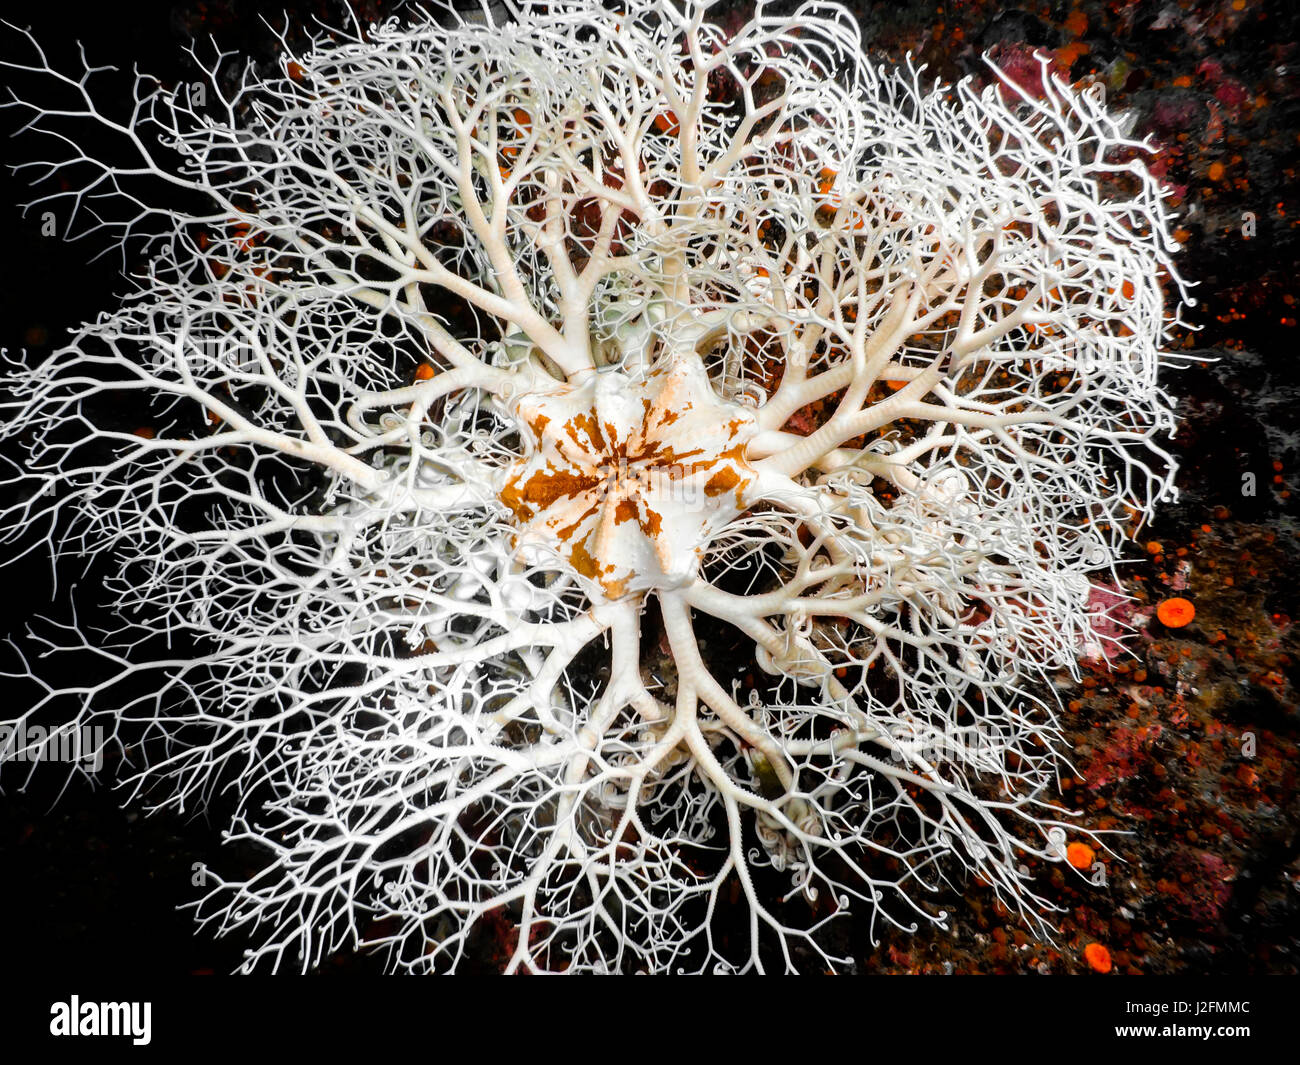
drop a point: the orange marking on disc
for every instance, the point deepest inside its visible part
(588, 424)
(722, 481)
(653, 522)
(667, 123)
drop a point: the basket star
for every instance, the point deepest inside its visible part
(597, 489)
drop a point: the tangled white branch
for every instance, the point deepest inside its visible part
(500, 357)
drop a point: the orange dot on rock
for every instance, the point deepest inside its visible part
(1097, 957)
(1175, 613)
(1080, 855)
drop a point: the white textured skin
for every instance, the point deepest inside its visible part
(390, 632)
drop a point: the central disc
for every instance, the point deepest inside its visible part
(627, 478)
